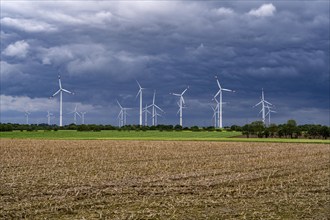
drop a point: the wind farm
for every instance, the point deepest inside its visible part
(164, 110)
(147, 116)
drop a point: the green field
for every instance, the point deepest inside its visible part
(149, 135)
(119, 135)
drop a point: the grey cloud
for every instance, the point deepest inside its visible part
(28, 25)
(102, 47)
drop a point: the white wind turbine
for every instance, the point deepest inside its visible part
(154, 110)
(180, 103)
(156, 117)
(146, 112)
(60, 91)
(263, 102)
(49, 115)
(83, 117)
(215, 112)
(140, 93)
(75, 113)
(269, 108)
(219, 93)
(27, 113)
(122, 115)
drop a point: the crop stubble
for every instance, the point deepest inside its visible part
(56, 179)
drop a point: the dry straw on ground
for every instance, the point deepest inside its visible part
(54, 179)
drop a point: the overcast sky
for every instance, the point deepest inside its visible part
(101, 48)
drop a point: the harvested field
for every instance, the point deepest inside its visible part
(104, 179)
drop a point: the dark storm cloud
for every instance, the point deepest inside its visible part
(101, 47)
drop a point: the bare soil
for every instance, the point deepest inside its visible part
(60, 179)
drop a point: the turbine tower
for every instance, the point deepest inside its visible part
(154, 110)
(75, 113)
(219, 93)
(27, 113)
(60, 91)
(263, 103)
(181, 103)
(49, 115)
(140, 93)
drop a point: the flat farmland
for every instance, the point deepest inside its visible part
(109, 179)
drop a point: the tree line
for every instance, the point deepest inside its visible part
(254, 129)
(287, 130)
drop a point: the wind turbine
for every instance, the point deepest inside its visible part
(122, 115)
(269, 108)
(146, 112)
(215, 112)
(180, 103)
(263, 102)
(75, 113)
(140, 93)
(83, 117)
(219, 93)
(49, 115)
(27, 113)
(154, 109)
(156, 117)
(60, 91)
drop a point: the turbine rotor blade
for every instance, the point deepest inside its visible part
(257, 104)
(59, 81)
(139, 84)
(218, 84)
(119, 104)
(138, 93)
(119, 113)
(67, 91)
(184, 91)
(228, 90)
(183, 100)
(159, 108)
(56, 93)
(268, 102)
(153, 100)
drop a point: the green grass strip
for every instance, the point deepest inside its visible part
(149, 136)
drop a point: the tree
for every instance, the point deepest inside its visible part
(194, 128)
(272, 130)
(291, 126)
(178, 127)
(6, 127)
(235, 128)
(266, 132)
(325, 132)
(258, 128)
(312, 131)
(246, 130)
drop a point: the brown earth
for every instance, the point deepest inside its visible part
(55, 179)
